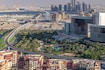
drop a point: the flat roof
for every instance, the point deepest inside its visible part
(98, 26)
(82, 17)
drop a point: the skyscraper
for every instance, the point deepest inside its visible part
(55, 8)
(72, 3)
(69, 7)
(74, 7)
(65, 8)
(78, 7)
(52, 7)
(89, 8)
(84, 6)
(60, 7)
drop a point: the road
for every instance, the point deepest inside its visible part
(10, 45)
(15, 31)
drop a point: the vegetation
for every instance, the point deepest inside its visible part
(28, 40)
(1, 43)
(3, 33)
(12, 39)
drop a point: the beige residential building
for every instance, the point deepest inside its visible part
(33, 62)
(9, 60)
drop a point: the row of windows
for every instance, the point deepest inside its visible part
(101, 30)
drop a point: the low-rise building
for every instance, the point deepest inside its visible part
(57, 64)
(85, 64)
(33, 62)
(3, 65)
(9, 59)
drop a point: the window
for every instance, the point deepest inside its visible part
(80, 21)
(102, 30)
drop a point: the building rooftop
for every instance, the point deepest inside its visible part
(99, 26)
(6, 52)
(82, 17)
(33, 56)
(1, 61)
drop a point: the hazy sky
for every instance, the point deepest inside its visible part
(45, 2)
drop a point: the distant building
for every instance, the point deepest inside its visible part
(99, 18)
(69, 7)
(54, 17)
(74, 7)
(73, 2)
(65, 8)
(89, 8)
(80, 24)
(60, 8)
(84, 7)
(63, 15)
(52, 7)
(97, 33)
(67, 28)
(78, 7)
(56, 8)
(91, 26)
(20, 9)
(47, 16)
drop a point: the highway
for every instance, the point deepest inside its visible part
(16, 30)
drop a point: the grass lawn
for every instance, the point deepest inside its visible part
(4, 33)
(1, 43)
(12, 39)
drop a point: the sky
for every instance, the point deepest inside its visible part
(44, 3)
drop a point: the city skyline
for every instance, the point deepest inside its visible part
(72, 7)
(46, 3)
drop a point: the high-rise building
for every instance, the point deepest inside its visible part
(52, 7)
(67, 28)
(69, 7)
(84, 7)
(89, 8)
(78, 7)
(72, 3)
(55, 8)
(65, 8)
(74, 7)
(60, 8)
